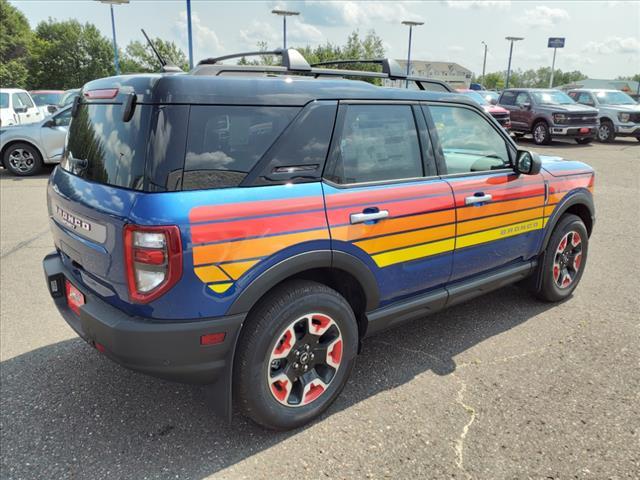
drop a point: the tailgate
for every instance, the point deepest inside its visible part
(86, 222)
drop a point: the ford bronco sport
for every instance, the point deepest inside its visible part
(247, 226)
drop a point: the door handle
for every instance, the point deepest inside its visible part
(366, 217)
(479, 197)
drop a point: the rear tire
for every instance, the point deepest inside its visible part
(22, 159)
(606, 132)
(541, 134)
(564, 259)
(278, 382)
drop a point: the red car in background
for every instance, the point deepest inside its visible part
(500, 114)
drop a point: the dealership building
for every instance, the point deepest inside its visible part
(452, 73)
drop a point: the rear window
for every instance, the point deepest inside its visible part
(225, 142)
(102, 148)
(4, 100)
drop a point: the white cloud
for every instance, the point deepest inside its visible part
(614, 45)
(205, 39)
(466, 4)
(355, 13)
(298, 33)
(543, 16)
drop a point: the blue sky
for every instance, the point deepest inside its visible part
(603, 38)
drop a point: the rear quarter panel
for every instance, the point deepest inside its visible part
(230, 237)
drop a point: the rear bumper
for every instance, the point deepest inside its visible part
(574, 131)
(169, 350)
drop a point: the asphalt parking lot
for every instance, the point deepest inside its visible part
(501, 387)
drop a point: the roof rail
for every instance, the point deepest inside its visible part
(389, 66)
(291, 59)
(294, 62)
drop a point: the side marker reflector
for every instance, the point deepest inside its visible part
(212, 338)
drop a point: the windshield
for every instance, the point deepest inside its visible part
(68, 96)
(552, 98)
(478, 98)
(4, 100)
(614, 98)
(42, 99)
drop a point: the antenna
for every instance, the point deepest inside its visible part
(165, 66)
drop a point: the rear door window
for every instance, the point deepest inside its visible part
(377, 143)
(225, 142)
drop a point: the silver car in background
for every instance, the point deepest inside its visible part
(619, 114)
(24, 149)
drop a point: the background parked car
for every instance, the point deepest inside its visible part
(491, 96)
(547, 114)
(17, 107)
(497, 112)
(68, 97)
(618, 113)
(25, 148)
(47, 100)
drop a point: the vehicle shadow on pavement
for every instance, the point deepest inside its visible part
(67, 411)
(6, 175)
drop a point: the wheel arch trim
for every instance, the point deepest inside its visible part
(578, 197)
(300, 263)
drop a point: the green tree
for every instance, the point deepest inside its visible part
(16, 39)
(139, 57)
(68, 54)
(633, 78)
(494, 80)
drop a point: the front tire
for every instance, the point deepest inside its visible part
(295, 355)
(541, 134)
(564, 259)
(606, 132)
(22, 159)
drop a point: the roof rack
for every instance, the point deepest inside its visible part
(294, 63)
(389, 66)
(291, 59)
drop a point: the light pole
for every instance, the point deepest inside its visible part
(111, 3)
(284, 14)
(484, 62)
(189, 35)
(512, 40)
(410, 24)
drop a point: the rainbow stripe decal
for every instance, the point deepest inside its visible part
(424, 220)
(231, 239)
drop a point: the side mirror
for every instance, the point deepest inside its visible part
(527, 163)
(49, 123)
(493, 101)
(20, 109)
(526, 106)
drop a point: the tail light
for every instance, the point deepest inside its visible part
(153, 257)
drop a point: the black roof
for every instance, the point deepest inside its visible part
(257, 90)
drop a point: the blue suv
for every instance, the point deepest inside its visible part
(247, 226)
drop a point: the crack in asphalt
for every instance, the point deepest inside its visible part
(24, 243)
(459, 446)
(411, 350)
